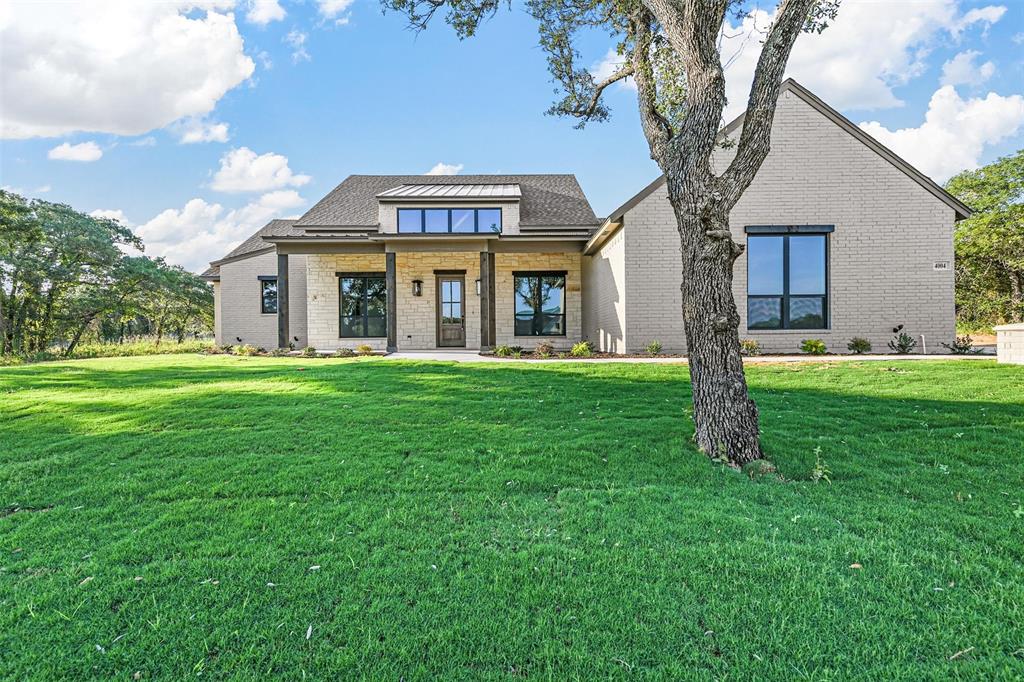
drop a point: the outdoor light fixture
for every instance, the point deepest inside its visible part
(478, 287)
(417, 287)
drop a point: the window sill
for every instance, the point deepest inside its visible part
(789, 331)
(364, 338)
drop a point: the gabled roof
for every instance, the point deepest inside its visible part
(546, 200)
(790, 85)
(253, 246)
(434, 191)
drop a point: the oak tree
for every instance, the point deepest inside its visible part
(670, 48)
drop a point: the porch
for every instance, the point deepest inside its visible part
(429, 294)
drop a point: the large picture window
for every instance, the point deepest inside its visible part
(363, 305)
(540, 303)
(268, 295)
(449, 220)
(787, 281)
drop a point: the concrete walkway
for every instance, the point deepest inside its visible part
(470, 356)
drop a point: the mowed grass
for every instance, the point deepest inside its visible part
(225, 517)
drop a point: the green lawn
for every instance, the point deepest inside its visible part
(238, 517)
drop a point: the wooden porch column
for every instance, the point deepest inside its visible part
(391, 283)
(282, 300)
(487, 333)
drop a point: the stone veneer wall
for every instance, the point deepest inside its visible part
(322, 304)
(417, 315)
(504, 298)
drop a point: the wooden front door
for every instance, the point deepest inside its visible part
(451, 311)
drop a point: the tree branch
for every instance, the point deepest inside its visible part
(656, 129)
(755, 139)
(587, 112)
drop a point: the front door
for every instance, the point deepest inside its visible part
(451, 311)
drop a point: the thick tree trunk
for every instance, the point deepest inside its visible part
(725, 418)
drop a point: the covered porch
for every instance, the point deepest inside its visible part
(410, 292)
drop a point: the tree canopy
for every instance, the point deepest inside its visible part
(65, 276)
(990, 244)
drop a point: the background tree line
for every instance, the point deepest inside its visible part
(990, 244)
(65, 279)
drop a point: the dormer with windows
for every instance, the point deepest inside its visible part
(482, 210)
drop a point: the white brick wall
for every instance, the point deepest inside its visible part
(238, 301)
(889, 231)
(1010, 344)
(604, 312)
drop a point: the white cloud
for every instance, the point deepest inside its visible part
(200, 232)
(112, 213)
(241, 170)
(335, 10)
(112, 66)
(441, 168)
(148, 141)
(262, 12)
(955, 131)
(963, 69)
(858, 60)
(84, 151)
(1018, 38)
(43, 189)
(194, 130)
(611, 63)
(265, 61)
(297, 40)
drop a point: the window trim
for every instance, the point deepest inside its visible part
(366, 303)
(263, 279)
(476, 219)
(564, 274)
(786, 231)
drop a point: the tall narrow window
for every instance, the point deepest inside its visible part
(539, 303)
(363, 305)
(268, 295)
(787, 281)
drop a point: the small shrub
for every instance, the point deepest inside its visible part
(517, 354)
(653, 348)
(963, 345)
(583, 349)
(813, 347)
(227, 348)
(344, 353)
(278, 353)
(820, 471)
(503, 351)
(859, 345)
(759, 468)
(750, 347)
(309, 352)
(902, 343)
(364, 349)
(247, 349)
(544, 349)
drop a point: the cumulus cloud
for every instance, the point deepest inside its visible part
(334, 10)
(963, 69)
(297, 40)
(955, 131)
(441, 168)
(609, 64)
(112, 213)
(200, 231)
(114, 67)
(148, 141)
(242, 170)
(858, 60)
(84, 151)
(262, 12)
(194, 130)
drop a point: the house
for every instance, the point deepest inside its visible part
(843, 238)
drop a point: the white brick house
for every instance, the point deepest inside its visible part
(843, 239)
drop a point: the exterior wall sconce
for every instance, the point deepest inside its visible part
(478, 287)
(417, 287)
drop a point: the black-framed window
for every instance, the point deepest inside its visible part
(787, 281)
(449, 220)
(268, 295)
(539, 303)
(363, 305)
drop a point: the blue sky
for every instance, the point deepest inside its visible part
(196, 125)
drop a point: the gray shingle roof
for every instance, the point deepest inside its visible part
(275, 228)
(547, 200)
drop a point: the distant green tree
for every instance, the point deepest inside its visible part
(990, 244)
